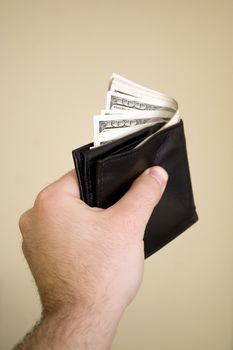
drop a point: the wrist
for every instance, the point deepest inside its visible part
(89, 326)
(77, 309)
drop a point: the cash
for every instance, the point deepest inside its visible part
(131, 107)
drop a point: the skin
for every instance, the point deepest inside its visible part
(87, 262)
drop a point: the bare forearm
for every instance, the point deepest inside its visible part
(87, 262)
(74, 329)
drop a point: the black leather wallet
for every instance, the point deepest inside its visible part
(105, 173)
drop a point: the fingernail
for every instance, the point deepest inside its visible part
(159, 174)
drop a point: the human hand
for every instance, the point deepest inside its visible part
(88, 261)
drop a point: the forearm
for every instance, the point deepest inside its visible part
(71, 328)
(87, 262)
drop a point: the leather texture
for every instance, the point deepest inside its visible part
(105, 173)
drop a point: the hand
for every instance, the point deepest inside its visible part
(87, 262)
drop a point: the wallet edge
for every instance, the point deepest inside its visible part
(176, 233)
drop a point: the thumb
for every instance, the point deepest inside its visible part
(144, 194)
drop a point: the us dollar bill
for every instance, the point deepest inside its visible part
(113, 134)
(124, 86)
(108, 128)
(105, 123)
(131, 107)
(125, 102)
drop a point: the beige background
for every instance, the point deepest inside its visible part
(55, 61)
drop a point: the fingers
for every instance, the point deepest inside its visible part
(68, 183)
(65, 185)
(144, 194)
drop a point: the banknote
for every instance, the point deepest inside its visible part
(116, 100)
(131, 107)
(106, 137)
(116, 121)
(111, 127)
(128, 87)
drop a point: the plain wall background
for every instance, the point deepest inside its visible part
(55, 61)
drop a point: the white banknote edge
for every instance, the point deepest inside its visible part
(135, 113)
(128, 86)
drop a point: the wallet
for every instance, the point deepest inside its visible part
(106, 172)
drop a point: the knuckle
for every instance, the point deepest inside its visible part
(24, 222)
(44, 197)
